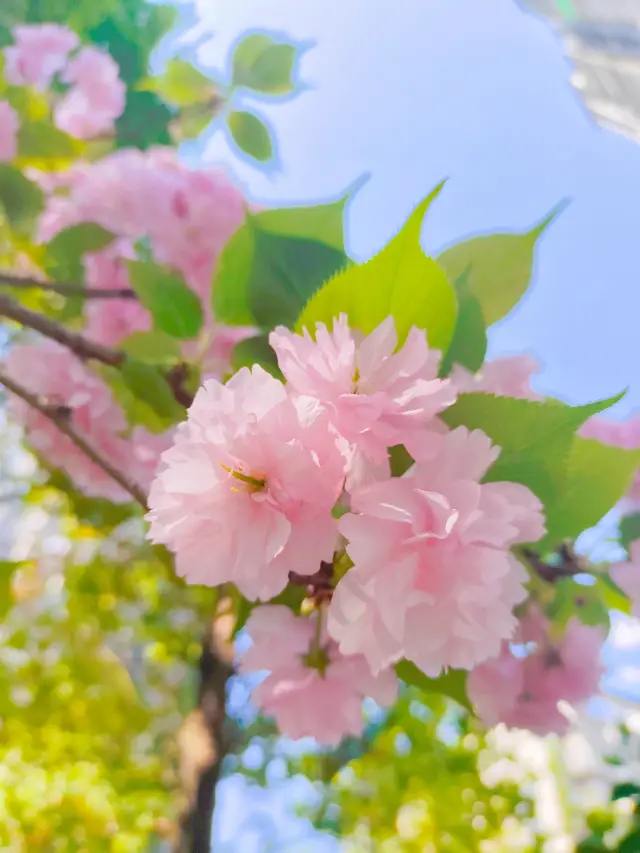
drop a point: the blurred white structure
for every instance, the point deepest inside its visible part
(602, 40)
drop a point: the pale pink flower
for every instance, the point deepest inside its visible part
(9, 126)
(624, 434)
(96, 98)
(188, 216)
(433, 579)
(627, 577)
(324, 700)
(246, 492)
(376, 397)
(509, 376)
(523, 690)
(55, 374)
(195, 215)
(110, 321)
(39, 51)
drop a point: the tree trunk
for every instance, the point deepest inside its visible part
(201, 740)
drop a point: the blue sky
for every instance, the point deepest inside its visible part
(412, 91)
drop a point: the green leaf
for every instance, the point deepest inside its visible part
(20, 199)
(41, 140)
(153, 347)
(64, 253)
(176, 310)
(612, 595)
(593, 479)
(250, 134)
(263, 65)
(236, 267)
(500, 266)
(7, 570)
(144, 122)
(452, 684)
(181, 84)
(469, 342)
(580, 601)
(400, 460)
(264, 277)
(400, 281)
(631, 844)
(629, 529)
(144, 395)
(291, 269)
(623, 790)
(255, 351)
(536, 440)
(323, 222)
(148, 385)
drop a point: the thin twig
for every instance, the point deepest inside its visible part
(59, 416)
(79, 345)
(64, 289)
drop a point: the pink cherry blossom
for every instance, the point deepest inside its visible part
(96, 98)
(523, 690)
(55, 374)
(246, 492)
(433, 579)
(9, 126)
(188, 216)
(627, 577)
(324, 700)
(376, 397)
(509, 376)
(110, 321)
(624, 434)
(39, 51)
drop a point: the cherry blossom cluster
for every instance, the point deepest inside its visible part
(525, 683)
(95, 94)
(268, 481)
(59, 378)
(187, 217)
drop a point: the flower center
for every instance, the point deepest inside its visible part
(317, 659)
(253, 484)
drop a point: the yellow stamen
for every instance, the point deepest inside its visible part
(254, 484)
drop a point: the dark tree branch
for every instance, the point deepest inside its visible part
(60, 417)
(202, 741)
(64, 289)
(565, 565)
(79, 345)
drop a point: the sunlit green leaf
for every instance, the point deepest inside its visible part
(255, 351)
(181, 84)
(176, 310)
(21, 200)
(629, 529)
(452, 683)
(400, 281)
(40, 140)
(153, 347)
(499, 265)
(264, 277)
(250, 134)
(263, 65)
(469, 342)
(64, 253)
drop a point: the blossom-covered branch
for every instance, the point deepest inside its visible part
(59, 415)
(78, 344)
(65, 289)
